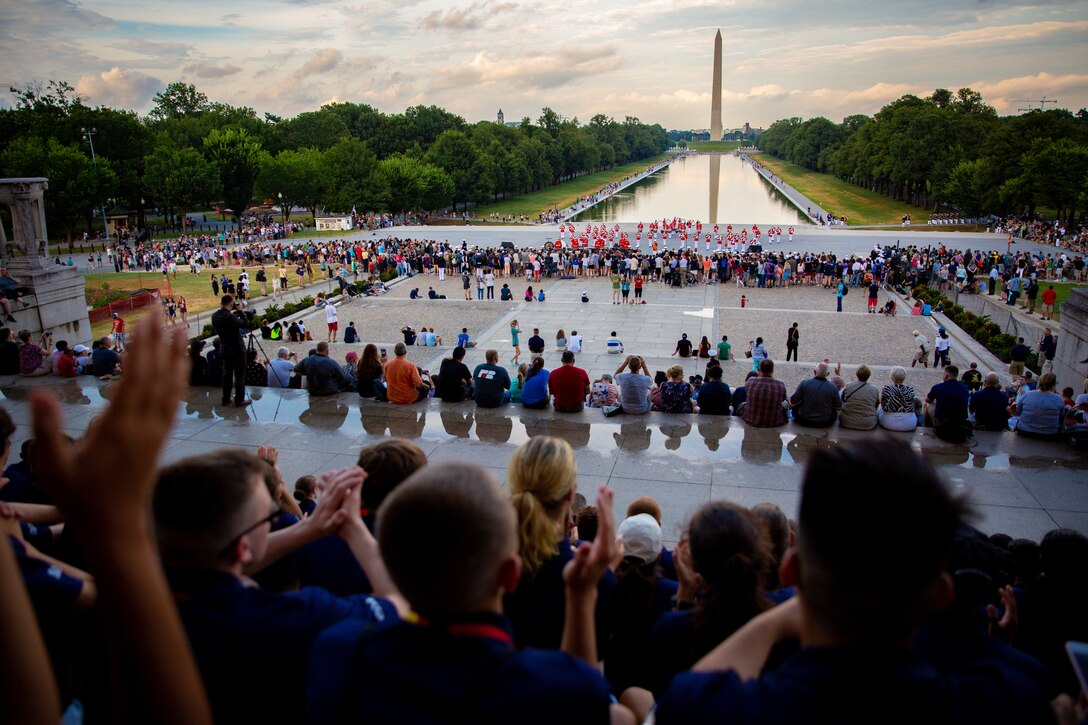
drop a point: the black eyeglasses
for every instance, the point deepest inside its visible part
(266, 520)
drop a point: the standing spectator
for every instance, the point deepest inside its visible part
(990, 405)
(1018, 355)
(874, 293)
(941, 348)
(921, 354)
(515, 331)
(793, 337)
(118, 327)
(972, 378)
(765, 399)
(405, 383)
(634, 385)
(330, 320)
(454, 380)
(491, 381)
(839, 294)
(229, 325)
(816, 401)
(860, 402)
(569, 385)
(758, 352)
(1049, 298)
(1048, 347)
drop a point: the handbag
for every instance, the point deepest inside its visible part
(612, 410)
(747, 353)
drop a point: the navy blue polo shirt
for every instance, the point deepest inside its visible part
(827, 685)
(52, 592)
(537, 607)
(328, 563)
(251, 645)
(950, 398)
(460, 671)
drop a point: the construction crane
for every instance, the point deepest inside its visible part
(1041, 101)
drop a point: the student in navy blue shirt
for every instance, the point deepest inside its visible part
(212, 517)
(449, 539)
(858, 606)
(329, 562)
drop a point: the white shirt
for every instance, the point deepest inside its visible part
(575, 343)
(330, 312)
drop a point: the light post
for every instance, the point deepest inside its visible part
(89, 137)
(283, 210)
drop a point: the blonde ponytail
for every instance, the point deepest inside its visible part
(542, 476)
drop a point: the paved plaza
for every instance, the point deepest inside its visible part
(1021, 487)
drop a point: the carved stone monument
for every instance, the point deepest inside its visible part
(1071, 359)
(57, 302)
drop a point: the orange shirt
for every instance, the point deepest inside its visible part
(402, 379)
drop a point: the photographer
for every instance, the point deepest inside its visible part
(281, 368)
(230, 324)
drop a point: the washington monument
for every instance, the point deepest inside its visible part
(716, 91)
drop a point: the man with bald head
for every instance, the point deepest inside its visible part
(990, 405)
(816, 401)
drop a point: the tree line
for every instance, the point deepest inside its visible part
(949, 150)
(190, 153)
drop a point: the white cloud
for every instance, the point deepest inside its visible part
(119, 87)
(321, 62)
(206, 69)
(535, 69)
(468, 17)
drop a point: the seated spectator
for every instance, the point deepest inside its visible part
(368, 374)
(518, 383)
(323, 375)
(351, 335)
(561, 340)
(542, 477)
(634, 383)
(212, 516)
(280, 369)
(898, 404)
(66, 365)
(306, 494)
(568, 385)
(990, 405)
(454, 379)
(462, 339)
(777, 524)
(765, 398)
(614, 346)
(33, 359)
(215, 363)
(9, 353)
(83, 357)
(972, 378)
(256, 375)
(1041, 411)
(816, 401)
(198, 366)
(434, 340)
(603, 393)
(492, 382)
(641, 597)
(740, 393)
(409, 334)
(704, 347)
(404, 381)
(860, 402)
(675, 393)
(721, 563)
(534, 392)
(683, 346)
(351, 362)
(505, 294)
(865, 602)
(714, 395)
(459, 653)
(948, 407)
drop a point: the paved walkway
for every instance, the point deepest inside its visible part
(807, 206)
(1021, 487)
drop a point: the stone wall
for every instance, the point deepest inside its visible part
(1073, 342)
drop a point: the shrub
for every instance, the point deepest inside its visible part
(273, 312)
(208, 331)
(388, 275)
(289, 308)
(306, 301)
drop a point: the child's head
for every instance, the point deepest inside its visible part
(449, 539)
(305, 488)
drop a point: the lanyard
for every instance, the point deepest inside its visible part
(464, 629)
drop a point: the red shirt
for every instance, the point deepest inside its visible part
(568, 384)
(1049, 296)
(119, 324)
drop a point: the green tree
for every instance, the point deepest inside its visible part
(966, 188)
(350, 168)
(75, 188)
(295, 177)
(413, 185)
(237, 157)
(181, 179)
(454, 152)
(178, 99)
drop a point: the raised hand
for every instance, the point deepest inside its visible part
(582, 573)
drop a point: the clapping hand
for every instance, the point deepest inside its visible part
(582, 573)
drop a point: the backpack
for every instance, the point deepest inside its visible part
(845, 289)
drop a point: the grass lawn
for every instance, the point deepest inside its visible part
(715, 145)
(860, 206)
(563, 195)
(1063, 290)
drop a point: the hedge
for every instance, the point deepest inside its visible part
(271, 313)
(980, 327)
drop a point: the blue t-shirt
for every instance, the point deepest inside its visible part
(535, 388)
(462, 340)
(448, 671)
(950, 398)
(825, 685)
(247, 641)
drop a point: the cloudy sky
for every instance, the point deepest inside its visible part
(645, 58)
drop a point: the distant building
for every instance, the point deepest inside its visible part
(747, 128)
(501, 119)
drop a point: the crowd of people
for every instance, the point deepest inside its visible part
(396, 591)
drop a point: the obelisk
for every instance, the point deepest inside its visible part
(716, 91)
